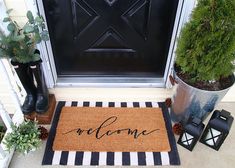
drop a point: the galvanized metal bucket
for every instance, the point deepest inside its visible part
(190, 101)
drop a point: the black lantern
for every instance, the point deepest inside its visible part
(192, 132)
(217, 129)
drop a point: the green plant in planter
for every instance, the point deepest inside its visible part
(204, 59)
(23, 138)
(19, 45)
(206, 46)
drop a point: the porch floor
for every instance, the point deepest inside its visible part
(201, 156)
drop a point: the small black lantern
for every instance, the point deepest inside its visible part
(191, 133)
(217, 129)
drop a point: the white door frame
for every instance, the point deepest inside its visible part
(182, 15)
(184, 10)
(45, 47)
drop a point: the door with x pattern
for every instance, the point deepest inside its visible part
(110, 37)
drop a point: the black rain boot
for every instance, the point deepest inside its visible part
(42, 102)
(26, 77)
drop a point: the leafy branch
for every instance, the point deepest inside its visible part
(20, 43)
(24, 137)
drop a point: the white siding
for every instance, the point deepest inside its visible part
(19, 10)
(5, 96)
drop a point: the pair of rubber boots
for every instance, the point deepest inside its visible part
(37, 98)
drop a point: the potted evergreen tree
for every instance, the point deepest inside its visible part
(19, 45)
(204, 59)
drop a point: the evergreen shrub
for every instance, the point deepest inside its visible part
(206, 46)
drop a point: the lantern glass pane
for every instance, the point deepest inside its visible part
(187, 139)
(213, 137)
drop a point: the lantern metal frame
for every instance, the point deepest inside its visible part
(217, 129)
(191, 133)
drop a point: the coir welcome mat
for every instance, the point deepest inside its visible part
(101, 129)
(112, 126)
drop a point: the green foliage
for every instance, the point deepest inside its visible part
(24, 137)
(19, 43)
(206, 46)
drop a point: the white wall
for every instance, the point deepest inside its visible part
(19, 10)
(5, 97)
(5, 92)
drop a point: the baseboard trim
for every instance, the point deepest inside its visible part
(111, 94)
(120, 94)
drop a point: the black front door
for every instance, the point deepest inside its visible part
(110, 37)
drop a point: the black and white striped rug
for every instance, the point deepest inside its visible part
(82, 158)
